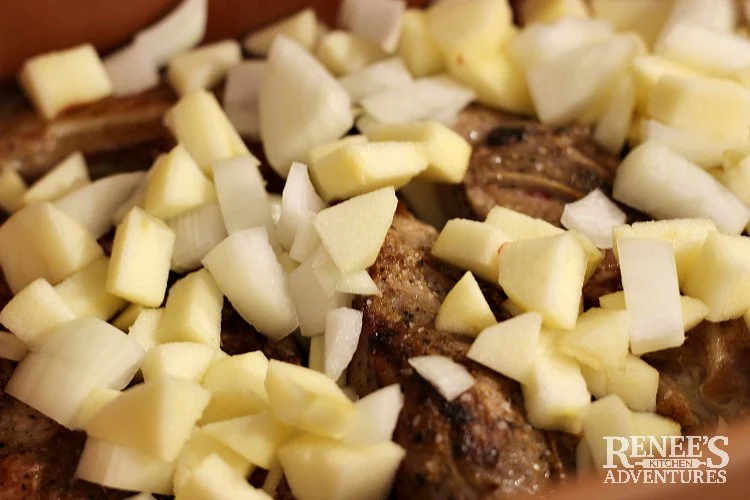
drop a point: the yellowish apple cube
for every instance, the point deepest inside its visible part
(705, 105)
(448, 153)
(545, 275)
(636, 383)
(648, 70)
(478, 26)
(651, 424)
(198, 123)
(237, 385)
(176, 185)
(145, 329)
(58, 80)
(519, 226)
(90, 406)
(193, 311)
(127, 317)
(549, 11)
(353, 231)
(41, 241)
(471, 245)
(214, 479)
(357, 169)
(85, 292)
(596, 380)
(510, 347)
(319, 152)
(204, 67)
(465, 310)
(33, 311)
(68, 175)
(342, 52)
(607, 417)
(600, 339)
(12, 189)
(188, 360)
(301, 27)
(417, 47)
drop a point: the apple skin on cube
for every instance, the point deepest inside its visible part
(545, 275)
(67, 176)
(85, 292)
(40, 241)
(721, 277)
(193, 311)
(417, 47)
(465, 310)
(471, 245)
(600, 339)
(33, 311)
(237, 385)
(154, 418)
(323, 469)
(607, 416)
(188, 360)
(141, 258)
(510, 347)
(353, 231)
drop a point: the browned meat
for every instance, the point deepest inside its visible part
(478, 446)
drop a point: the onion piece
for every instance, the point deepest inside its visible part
(95, 204)
(177, 32)
(306, 241)
(424, 99)
(121, 468)
(11, 347)
(301, 105)
(652, 294)
(720, 15)
(594, 216)
(378, 20)
(136, 199)
(704, 150)
(384, 75)
(663, 184)
(196, 233)
(242, 194)
(343, 327)
(301, 27)
(204, 67)
(131, 70)
(448, 377)
(241, 93)
(299, 201)
(376, 416)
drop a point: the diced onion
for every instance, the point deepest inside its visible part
(378, 20)
(196, 233)
(702, 149)
(448, 377)
(242, 194)
(343, 327)
(594, 216)
(241, 93)
(131, 70)
(177, 32)
(384, 75)
(11, 347)
(376, 417)
(136, 199)
(299, 202)
(423, 99)
(720, 15)
(306, 241)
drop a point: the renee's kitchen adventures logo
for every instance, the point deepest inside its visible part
(666, 459)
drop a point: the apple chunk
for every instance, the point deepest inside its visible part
(323, 469)
(193, 311)
(607, 417)
(12, 189)
(417, 46)
(68, 175)
(545, 275)
(354, 231)
(85, 292)
(237, 385)
(476, 26)
(154, 418)
(186, 360)
(509, 347)
(95, 401)
(636, 382)
(465, 310)
(141, 257)
(600, 339)
(376, 416)
(213, 479)
(471, 245)
(145, 328)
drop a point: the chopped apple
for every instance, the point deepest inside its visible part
(198, 123)
(176, 185)
(254, 437)
(301, 27)
(124, 468)
(323, 150)
(322, 469)
(354, 170)
(353, 231)
(357, 283)
(196, 233)
(342, 52)
(95, 204)
(204, 67)
(376, 416)
(509, 347)
(737, 180)
(556, 397)
(470, 26)
(256, 287)
(127, 317)
(188, 360)
(640, 16)
(58, 80)
(520, 226)
(720, 15)
(648, 70)
(12, 348)
(145, 328)
(213, 479)
(614, 124)
(584, 460)
(693, 310)
(704, 105)
(417, 46)
(237, 386)
(448, 153)
(12, 189)
(193, 311)
(545, 275)
(600, 339)
(68, 175)
(465, 310)
(141, 258)
(596, 380)
(95, 401)
(85, 292)
(41, 241)
(607, 417)
(308, 400)
(33, 311)
(471, 245)
(136, 199)
(636, 382)
(593, 216)
(153, 418)
(720, 277)
(549, 11)
(651, 424)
